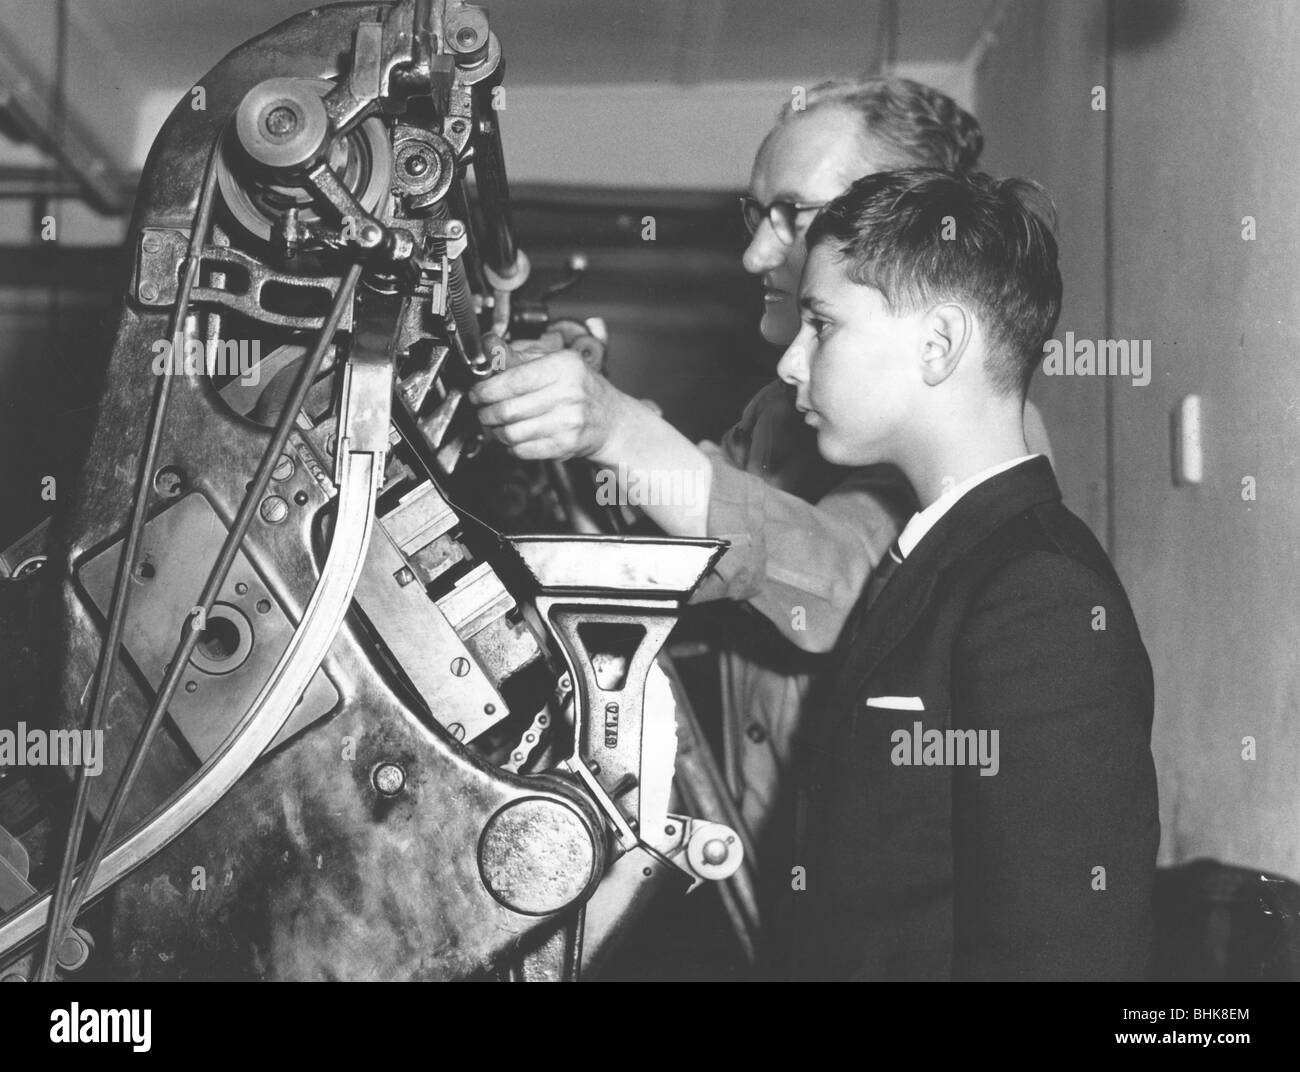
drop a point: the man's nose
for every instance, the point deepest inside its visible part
(793, 366)
(764, 252)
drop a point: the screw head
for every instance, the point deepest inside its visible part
(457, 731)
(715, 851)
(148, 292)
(151, 244)
(284, 468)
(389, 779)
(274, 510)
(416, 165)
(168, 481)
(281, 121)
(460, 666)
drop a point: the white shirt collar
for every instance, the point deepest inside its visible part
(914, 531)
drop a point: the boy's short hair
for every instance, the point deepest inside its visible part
(919, 125)
(920, 236)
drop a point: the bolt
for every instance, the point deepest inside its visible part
(404, 576)
(467, 37)
(565, 683)
(73, 953)
(416, 165)
(281, 121)
(190, 686)
(458, 127)
(241, 589)
(460, 666)
(274, 509)
(389, 779)
(647, 871)
(263, 606)
(284, 468)
(148, 292)
(370, 235)
(168, 481)
(151, 244)
(457, 731)
(670, 830)
(455, 229)
(715, 851)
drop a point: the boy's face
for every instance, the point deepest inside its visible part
(855, 365)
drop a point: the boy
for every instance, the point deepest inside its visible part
(979, 800)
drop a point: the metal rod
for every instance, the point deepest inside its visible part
(216, 578)
(125, 568)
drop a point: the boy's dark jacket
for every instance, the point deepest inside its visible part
(1007, 616)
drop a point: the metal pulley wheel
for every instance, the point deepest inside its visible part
(276, 126)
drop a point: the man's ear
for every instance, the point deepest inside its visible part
(946, 333)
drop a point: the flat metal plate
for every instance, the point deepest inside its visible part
(178, 549)
(625, 564)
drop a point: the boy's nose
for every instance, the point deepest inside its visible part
(793, 366)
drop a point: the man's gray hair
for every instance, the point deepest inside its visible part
(920, 125)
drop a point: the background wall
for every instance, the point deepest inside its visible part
(1198, 132)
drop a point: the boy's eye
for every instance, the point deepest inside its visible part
(819, 326)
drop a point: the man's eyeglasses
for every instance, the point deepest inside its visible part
(782, 215)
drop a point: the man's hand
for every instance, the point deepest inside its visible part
(548, 405)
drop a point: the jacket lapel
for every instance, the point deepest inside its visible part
(972, 519)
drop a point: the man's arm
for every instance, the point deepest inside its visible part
(1054, 855)
(553, 406)
(800, 564)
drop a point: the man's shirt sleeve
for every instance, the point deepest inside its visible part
(804, 534)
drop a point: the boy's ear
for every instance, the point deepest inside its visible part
(946, 333)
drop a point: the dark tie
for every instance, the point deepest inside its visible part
(892, 559)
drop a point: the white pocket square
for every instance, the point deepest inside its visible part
(898, 703)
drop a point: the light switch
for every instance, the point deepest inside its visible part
(1188, 457)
